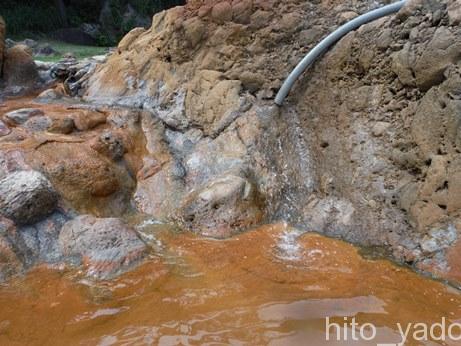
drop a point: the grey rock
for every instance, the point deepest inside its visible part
(438, 239)
(38, 123)
(26, 196)
(4, 129)
(38, 243)
(20, 116)
(222, 208)
(106, 246)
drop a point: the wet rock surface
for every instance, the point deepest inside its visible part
(105, 246)
(223, 207)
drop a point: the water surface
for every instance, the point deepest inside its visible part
(270, 286)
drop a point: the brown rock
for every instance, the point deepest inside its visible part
(210, 97)
(222, 12)
(443, 50)
(19, 68)
(109, 144)
(64, 125)
(242, 11)
(426, 214)
(129, 38)
(453, 183)
(86, 119)
(194, 30)
(88, 180)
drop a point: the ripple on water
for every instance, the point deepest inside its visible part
(270, 286)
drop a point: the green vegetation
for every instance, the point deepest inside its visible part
(26, 20)
(62, 48)
(30, 18)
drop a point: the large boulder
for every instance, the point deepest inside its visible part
(106, 246)
(19, 69)
(26, 196)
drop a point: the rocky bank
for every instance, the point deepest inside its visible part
(179, 124)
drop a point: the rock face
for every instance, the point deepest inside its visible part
(104, 246)
(366, 147)
(26, 196)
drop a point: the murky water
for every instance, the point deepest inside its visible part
(270, 286)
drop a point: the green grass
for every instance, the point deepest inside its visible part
(62, 48)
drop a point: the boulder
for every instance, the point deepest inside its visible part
(221, 208)
(19, 68)
(38, 243)
(105, 246)
(26, 196)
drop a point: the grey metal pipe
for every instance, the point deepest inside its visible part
(330, 40)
